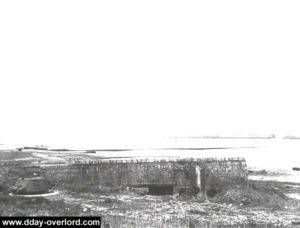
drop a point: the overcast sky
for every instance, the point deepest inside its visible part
(86, 71)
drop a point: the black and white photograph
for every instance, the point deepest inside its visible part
(150, 114)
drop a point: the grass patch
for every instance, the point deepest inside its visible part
(257, 194)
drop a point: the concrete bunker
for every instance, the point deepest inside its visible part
(205, 176)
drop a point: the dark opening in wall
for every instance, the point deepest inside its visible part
(213, 192)
(189, 191)
(161, 190)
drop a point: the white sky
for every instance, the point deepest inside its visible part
(90, 71)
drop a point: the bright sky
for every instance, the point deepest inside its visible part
(90, 71)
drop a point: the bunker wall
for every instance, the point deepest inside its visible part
(214, 173)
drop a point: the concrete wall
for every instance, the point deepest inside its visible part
(205, 174)
(181, 173)
(218, 174)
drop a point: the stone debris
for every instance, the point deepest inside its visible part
(140, 209)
